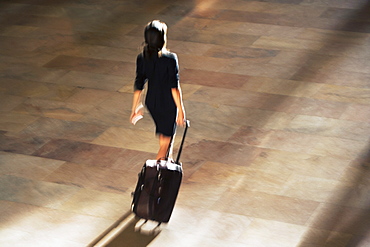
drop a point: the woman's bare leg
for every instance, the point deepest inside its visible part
(164, 142)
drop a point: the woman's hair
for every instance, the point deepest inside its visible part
(155, 38)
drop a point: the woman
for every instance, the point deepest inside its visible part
(159, 67)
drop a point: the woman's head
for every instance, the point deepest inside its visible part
(155, 37)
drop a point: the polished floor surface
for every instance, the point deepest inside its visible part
(277, 92)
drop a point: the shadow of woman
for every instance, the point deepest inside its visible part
(345, 222)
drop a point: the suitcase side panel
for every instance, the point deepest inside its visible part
(156, 193)
(170, 184)
(145, 193)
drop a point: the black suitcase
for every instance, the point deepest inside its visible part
(157, 187)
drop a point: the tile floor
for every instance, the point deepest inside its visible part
(277, 91)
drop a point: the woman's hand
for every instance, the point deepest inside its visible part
(180, 121)
(137, 114)
(177, 97)
(137, 108)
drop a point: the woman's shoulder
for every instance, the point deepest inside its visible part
(169, 55)
(140, 56)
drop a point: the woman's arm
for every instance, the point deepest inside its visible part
(177, 97)
(135, 103)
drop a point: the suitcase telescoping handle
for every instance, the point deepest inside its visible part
(187, 125)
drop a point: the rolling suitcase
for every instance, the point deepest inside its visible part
(157, 187)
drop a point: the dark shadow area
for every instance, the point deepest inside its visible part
(112, 29)
(349, 216)
(353, 23)
(351, 213)
(131, 236)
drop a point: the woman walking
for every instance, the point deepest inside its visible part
(159, 68)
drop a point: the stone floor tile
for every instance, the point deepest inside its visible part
(231, 97)
(203, 196)
(34, 192)
(345, 49)
(208, 228)
(33, 89)
(53, 109)
(315, 237)
(55, 128)
(286, 44)
(241, 67)
(341, 78)
(80, 152)
(249, 135)
(206, 63)
(127, 138)
(330, 127)
(132, 161)
(27, 58)
(89, 96)
(9, 102)
(344, 94)
(339, 38)
(58, 226)
(280, 234)
(292, 141)
(100, 204)
(184, 47)
(27, 166)
(312, 107)
(221, 152)
(21, 144)
(266, 206)
(218, 173)
(339, 148)
(31, 74)
(356, 113)
(15, 122)
(303, 164)
(283, 87)
(291, 57)
(81, 64)
(15, 42)
(316, 189)
(92, 177)
(340, 219)
(219, 80)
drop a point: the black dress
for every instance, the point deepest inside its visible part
(162, 74)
